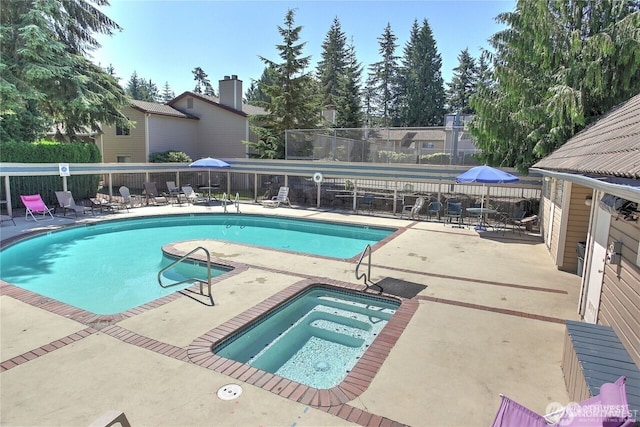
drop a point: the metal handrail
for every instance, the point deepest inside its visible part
(182, 258)
(236, 202)
(366, 276)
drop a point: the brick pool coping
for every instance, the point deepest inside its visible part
(355, 383)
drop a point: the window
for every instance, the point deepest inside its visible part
(189, 102)
(123, 159)
(428, 145)
(122, 130)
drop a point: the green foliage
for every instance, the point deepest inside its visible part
(385, 156)
(142, 89)
(557, 67)
(436, 159)
(169, 157)
(293, 103)
(333, 63)
(421, 94)
(382, 83)
(347, 99)
(463, 84)
(82, 186)
(46, 73)
(203, 85)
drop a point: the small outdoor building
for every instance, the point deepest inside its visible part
(590, 224)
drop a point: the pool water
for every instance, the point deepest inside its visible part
(112, 266)
(315, 339)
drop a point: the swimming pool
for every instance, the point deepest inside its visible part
(315, 338)
(111, 266)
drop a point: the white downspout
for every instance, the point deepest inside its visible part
(146, 137)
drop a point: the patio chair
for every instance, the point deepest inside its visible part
(453, 211)
(35, 205)
(4, 218)
(610, 407)
(191, 196)
(152, 194)
(367, 202)
(67, 203)
(282, 197)
(413, 210)
(127, 199)
(434, 208)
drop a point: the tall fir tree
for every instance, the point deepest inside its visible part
(47, 77)
(203, 85)
(167, 93)
(332, 65)
(421, 97)
(293, 103)
(383, 78)
(255, 94)
(463, 84)
(348, 96)
(557, 67)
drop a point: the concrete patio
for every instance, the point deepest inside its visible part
(490, 321)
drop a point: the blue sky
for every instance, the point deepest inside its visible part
(165, 40)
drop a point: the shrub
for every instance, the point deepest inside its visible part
(169, 157)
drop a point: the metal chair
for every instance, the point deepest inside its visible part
(434, 208)
(367, 202)
(453, 211)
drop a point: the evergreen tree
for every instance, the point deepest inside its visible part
(557, 67)
(463, 84)
(332, 65)
(167, 93)
(292, 104)
(203, 85)
(46, 76)
(255, 95)
(421, 96)
(135, 86)
(383, 78)
(347, 98)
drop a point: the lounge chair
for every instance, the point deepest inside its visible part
(413, 210)
(67, 203)
(35, 205)
(282, 197)
(610, 407)
(152, 194)
(4, 218)
(127, 199)
(173, 190)
(191, 196)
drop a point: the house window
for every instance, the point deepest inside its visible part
(428, 145)
(123, 159)
(122, 130)
(189, 103)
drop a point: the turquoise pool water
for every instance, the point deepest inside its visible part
(315, 339)
(110, 267)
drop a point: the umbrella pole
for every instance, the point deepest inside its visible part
(209, 171)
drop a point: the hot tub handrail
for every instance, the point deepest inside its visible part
(182, 258)
(366, 276)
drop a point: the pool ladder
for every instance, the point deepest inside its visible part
(366, 276)
(236, 202)
(193, 279)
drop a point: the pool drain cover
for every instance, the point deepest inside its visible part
(229, 392)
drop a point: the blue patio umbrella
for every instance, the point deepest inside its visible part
(209, 163)
(486, 175)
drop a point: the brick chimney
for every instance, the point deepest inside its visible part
(231, 92)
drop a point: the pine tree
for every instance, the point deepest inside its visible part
(135, 86)
(463, 84)
(383, 78)
(347, 98)
(203, 85)
(557, 67)
(255, 94)
(167, 93)
(292, 104)
(47, 76)
(332, 65)
(421, 95)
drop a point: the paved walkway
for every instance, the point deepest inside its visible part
(490, 321)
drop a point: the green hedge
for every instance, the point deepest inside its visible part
(82, 186)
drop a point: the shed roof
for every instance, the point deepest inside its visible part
(609, 147)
